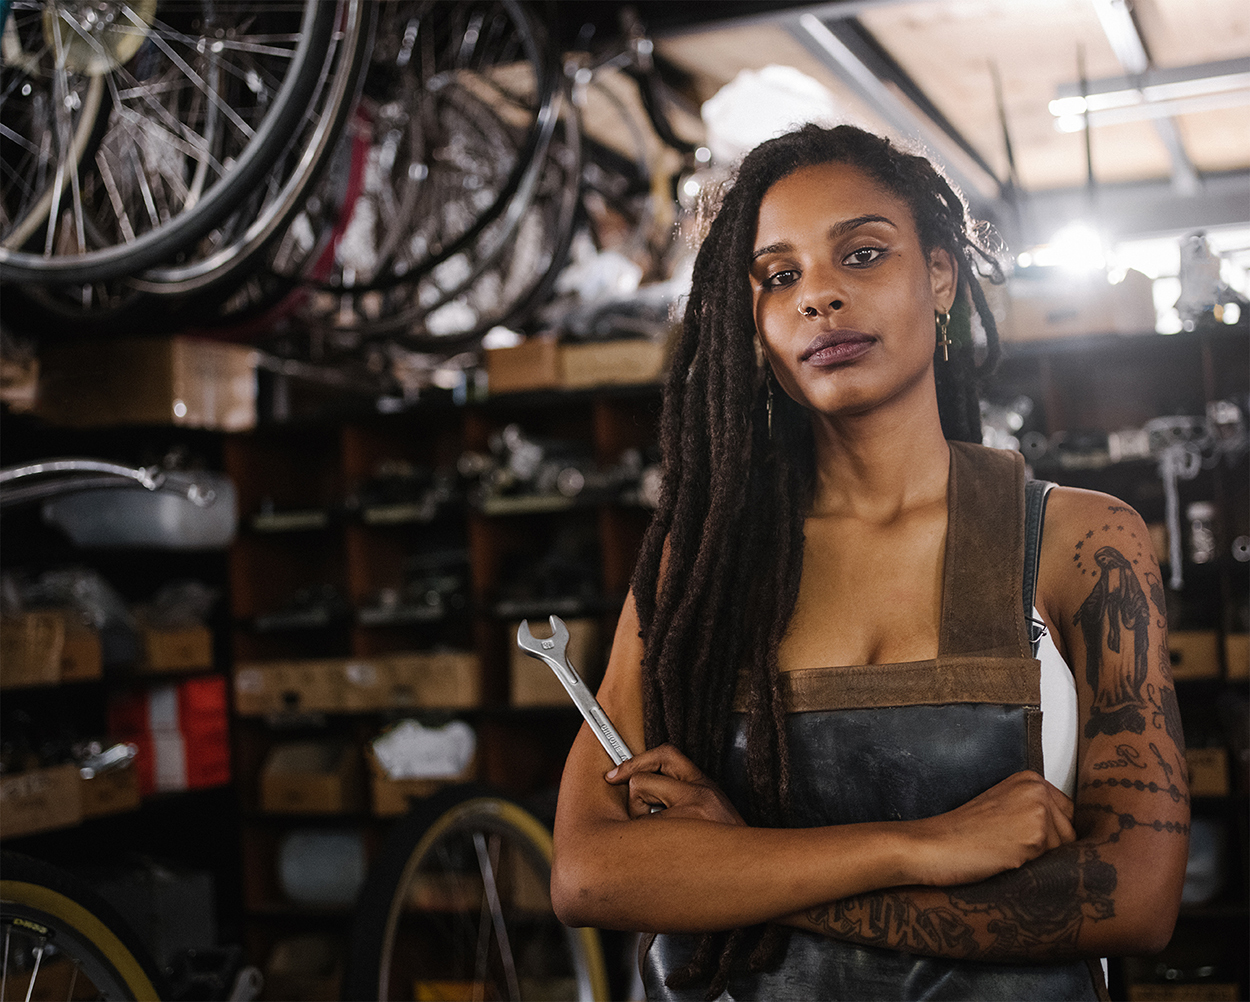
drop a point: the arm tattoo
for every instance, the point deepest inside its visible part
(1035, 911)
(1128, 821)
(1167, 714)
(1115, 611)
(1126, 755)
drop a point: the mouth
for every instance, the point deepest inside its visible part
(836, 348)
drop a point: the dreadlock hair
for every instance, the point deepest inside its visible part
(728, 530)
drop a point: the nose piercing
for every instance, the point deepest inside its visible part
(811, 311)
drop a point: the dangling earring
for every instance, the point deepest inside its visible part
(943, 341)
(768, 404)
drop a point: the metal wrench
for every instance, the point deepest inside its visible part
(553, 651)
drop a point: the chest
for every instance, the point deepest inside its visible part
(869, 594)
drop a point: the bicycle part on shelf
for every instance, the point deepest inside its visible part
(459, 897)
(197, 115)
(58, 935)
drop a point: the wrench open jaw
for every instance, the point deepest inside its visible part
(554, 650)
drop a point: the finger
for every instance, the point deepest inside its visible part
(665, 759)
(651, 788)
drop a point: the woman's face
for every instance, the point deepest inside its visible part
(844, 295)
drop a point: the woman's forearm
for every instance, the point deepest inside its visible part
(664, 874)
(1095, 896)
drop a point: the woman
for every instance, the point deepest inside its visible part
(826, 653)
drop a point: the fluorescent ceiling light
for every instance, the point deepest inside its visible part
(1154, 94)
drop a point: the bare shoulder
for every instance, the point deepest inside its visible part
(1088, 537)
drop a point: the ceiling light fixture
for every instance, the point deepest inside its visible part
(1153, 94)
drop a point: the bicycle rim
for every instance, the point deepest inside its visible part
(204, 97)
(459, 904)
(58, 937)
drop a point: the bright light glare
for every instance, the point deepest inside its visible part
(1076, 247)
(1232, 313)
(691, 187)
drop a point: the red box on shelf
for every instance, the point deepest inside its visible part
(182, 733)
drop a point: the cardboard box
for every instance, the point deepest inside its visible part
(182, 733)
(435, 680)
(30, 649)
(1208, 772)
(449, 680)
(609, 363)
(533, 683)
(164, 381)
(185, 649)
(82, 656)
(112, 792)
(1194, 654)
(311, 777)
(534, 364)
(305, 967)
(1237, 655)
(390, 797)
(40, 800)
(1053, 307)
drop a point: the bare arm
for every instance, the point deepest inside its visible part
(696, 867)
(1117, 888)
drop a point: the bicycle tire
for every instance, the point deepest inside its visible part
(65, 919)
(161, 242)
(423, 862)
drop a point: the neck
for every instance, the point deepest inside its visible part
(881, 464)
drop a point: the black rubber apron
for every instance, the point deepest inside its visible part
(905, 741)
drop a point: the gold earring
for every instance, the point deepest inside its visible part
(943, 319)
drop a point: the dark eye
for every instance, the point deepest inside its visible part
(864, 255)
(780, 278)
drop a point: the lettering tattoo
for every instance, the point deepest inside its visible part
(1115, 611)
(1036, 910)
(1128, 756)
(893, 920)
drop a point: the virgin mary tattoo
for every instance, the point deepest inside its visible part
(1115, 611)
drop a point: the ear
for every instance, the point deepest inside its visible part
(943, 278)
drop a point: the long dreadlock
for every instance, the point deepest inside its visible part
(729, 525)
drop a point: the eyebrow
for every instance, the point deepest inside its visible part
(835, 231)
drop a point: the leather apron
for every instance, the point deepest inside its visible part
(906, 741)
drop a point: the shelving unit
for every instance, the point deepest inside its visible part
(318, 515)
(1086, 387)
(194, 830)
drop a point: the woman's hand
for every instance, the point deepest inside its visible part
(1006, 826)
(664, 777)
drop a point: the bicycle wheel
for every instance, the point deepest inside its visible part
(204, 95)
(61, 940)
(458, 902)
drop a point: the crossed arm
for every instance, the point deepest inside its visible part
(1018, 874)
(1116, 888)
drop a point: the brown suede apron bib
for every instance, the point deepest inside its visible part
(906, 741)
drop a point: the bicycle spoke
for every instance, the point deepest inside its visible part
(4, 971)
(496, 909)
(30, 988)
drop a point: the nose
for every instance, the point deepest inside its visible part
(820, 296)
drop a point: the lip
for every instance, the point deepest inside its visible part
(834, 348)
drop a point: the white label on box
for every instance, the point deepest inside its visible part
(163, 709)
(249, 681)
(171, 761)
(361, 673)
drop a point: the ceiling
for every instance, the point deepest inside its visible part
(967, 77)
